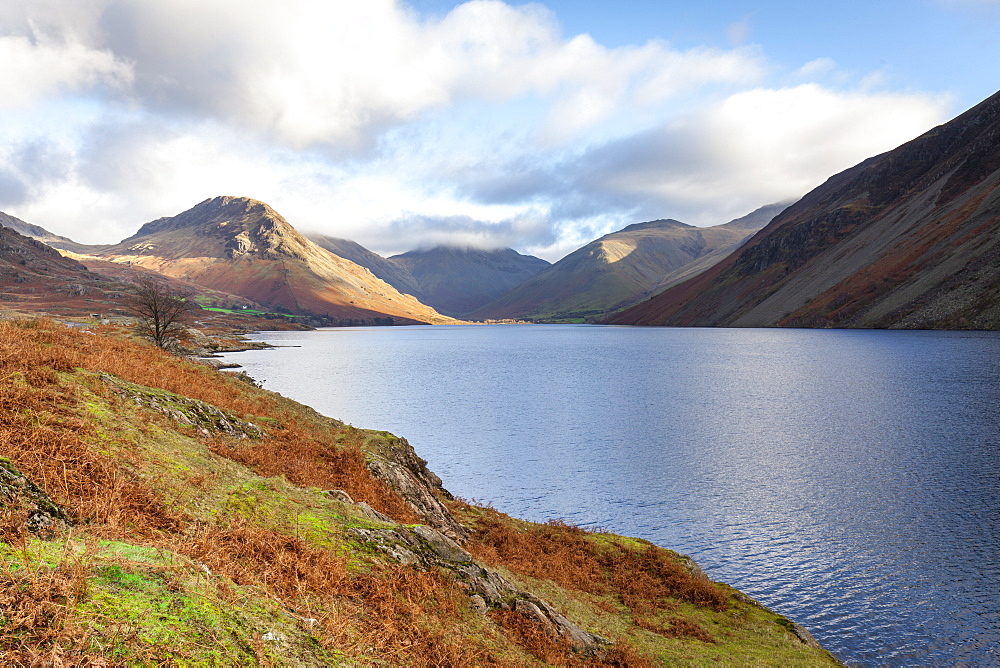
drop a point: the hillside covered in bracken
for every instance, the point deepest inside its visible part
(158, 512)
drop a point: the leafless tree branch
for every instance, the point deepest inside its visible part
(160, 314)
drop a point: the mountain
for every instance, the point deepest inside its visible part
(456, 281)
(451, 279)
(751, 222)
(37, 278)
(244, 247)
(906, 239)
(42, 234)
(390, 272)
(615, 270)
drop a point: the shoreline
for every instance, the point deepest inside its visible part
(799, 631)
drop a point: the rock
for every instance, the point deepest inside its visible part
(394, 462)
(436, 545)
(479, 604)
(427, 548)
(495, 590)
(391, 543)
(802, 633)
(373, 514)
(208, 419)
(369, 512)
(442, 546)
(339, 495)
(45, 518)
(218, 363)
(556, 625)
(692, 566)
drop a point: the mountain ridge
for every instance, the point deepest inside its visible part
(613, 271)
(458, 280)
(455, 280)
(243, 246)
(907, 238)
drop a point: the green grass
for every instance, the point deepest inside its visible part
(249, 311)
(144, 606)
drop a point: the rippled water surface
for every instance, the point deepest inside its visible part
(847, 479)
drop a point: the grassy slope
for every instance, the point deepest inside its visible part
(192, 544)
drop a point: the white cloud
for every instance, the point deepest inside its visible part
(366, 120)
(755, 147)
(340, 73)
(816, 68)
(36, 67)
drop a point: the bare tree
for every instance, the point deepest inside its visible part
(160, 314)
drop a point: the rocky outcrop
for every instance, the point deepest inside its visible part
(802, 633)
(426, 548)
(44, 517)
(393, 461)
(436, 545)
(208, 419)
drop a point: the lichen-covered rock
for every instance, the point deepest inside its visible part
(45, 518)
(208, 419)
(425, 547)
(393, 461)
(557, 625)
(442, 546)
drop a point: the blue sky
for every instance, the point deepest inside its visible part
(404, 124)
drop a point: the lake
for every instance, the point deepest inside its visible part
(848, 479)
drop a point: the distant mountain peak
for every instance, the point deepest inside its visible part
(238, 226)
(460, 249)
(612, 271)
(244, 247)
(653, 225)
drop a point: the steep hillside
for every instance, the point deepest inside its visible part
(156, 512)
(383, 268)
(457, 281)
(453, 280)
(242, 246)
(909, 238)
(43, 235)
(35, 277)
(613, 271)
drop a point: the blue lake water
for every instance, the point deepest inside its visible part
(848, 479)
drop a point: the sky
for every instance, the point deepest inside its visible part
(408, 124)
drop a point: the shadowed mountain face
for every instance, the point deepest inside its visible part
(35, 277)
(616, 269)
(453, 280)
(390, 272)
(456, 281)
(43, 235)
(909, 238)
(242, 246)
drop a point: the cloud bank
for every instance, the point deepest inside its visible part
(485, 126)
